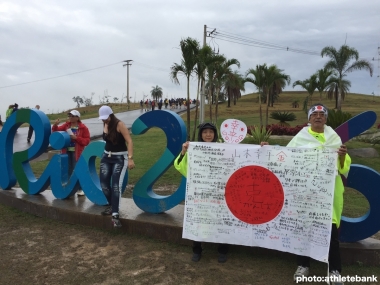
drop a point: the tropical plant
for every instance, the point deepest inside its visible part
(332, 89)
(340, 62)
(259, 134)
(200, 67)
(323, 80)
(189, 48)
(258, 81)
(309, 84)
(283, 117)
(233, 84)
(212, 62)
(223, 71)
(336, 117)
(296, 103)
(274, 79)
(156, 92)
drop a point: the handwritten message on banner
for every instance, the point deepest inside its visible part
(272, 197)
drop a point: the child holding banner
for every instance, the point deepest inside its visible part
(207, 133)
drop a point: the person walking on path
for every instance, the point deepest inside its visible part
(9, 111)
(80, 138)
(116, 159)
(30, 131)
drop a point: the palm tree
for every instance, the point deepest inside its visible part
(222, 72)
(233, 84)
(276, 90)
(189, 49)
(202, 55)
(323, 80)
(212, 63)
(258, 81)
(332, 89)
(273, 75)
(156, 92)
(309, 85)
(340, 62)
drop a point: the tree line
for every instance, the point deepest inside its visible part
(216, 78)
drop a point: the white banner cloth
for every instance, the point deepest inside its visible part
(273, 197)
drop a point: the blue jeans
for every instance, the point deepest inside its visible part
(112, 172)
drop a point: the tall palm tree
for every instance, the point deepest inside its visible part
(309, 85)
(340, 61)
(222, 72)
(212, 64)
(233, 84)
(258, 81)
(275, 90)
(272, 75)
(323, 80)
(332, 89)
(189, 49)
(156, 92)
(202, 57)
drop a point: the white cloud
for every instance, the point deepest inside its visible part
(43, 39)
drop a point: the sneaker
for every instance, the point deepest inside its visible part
(107, 211)
(335, 278)
(301, 272)
(116, 222)
(196, 257)
(80, 193)
(222, 258)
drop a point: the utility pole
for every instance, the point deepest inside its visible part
(378, 70)
(203, 95)
(127, 64)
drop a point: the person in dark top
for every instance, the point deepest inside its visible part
(15, 108)
(207, 133)
(116, 159)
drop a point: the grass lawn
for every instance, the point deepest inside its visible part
(150, 146)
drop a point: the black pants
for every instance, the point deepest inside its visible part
(334, 253)
(222, 247)
(30, 132)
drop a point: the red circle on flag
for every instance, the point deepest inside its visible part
(254, 195)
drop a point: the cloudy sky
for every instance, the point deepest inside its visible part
(46, 39)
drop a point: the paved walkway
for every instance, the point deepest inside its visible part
(94, 125)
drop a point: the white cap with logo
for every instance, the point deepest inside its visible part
(74, 113)
(105, 112)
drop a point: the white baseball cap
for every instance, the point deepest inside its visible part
(105, 112)
(74, 113)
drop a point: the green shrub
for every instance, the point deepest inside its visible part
(283, 117)
(337, 117)
(259, 134)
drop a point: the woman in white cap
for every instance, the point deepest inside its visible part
(80, 138)
(116, 159)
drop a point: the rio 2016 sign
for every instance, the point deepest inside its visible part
(15, 166)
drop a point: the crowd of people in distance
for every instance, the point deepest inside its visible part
(150, 105)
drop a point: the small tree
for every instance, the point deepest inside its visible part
(88, 101)
(78, 100)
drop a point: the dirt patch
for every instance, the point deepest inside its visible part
(41, 251)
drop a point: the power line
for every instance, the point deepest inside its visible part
(68, 74)
(238, 39)
(87, 70)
